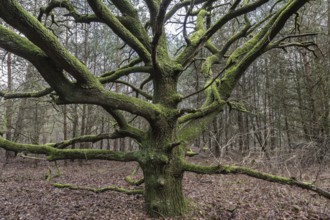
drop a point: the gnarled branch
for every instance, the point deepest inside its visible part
(54, 154)
(100, 190)
(38, 34)
(103, 12)
(17, 95)
(227, 169)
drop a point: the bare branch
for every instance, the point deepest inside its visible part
(72, 12)
(295, 36)
(87, 138)
(283, 46)
(137, 90)
(182, 4)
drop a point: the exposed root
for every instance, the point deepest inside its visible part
(129, 179)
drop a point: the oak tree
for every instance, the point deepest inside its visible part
(172, 124)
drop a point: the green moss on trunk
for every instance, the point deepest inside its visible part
(163, 190)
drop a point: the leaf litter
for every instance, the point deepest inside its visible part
(25, 193)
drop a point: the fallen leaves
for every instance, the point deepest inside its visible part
(26, 194)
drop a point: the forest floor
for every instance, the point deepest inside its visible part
(25, 193)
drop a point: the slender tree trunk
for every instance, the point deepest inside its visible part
(241, 132)
(9, 107)
(102, 131)
(288, 135)
(74, 123)
(301, 103)
(308, 81)
(216, 143)
(22, 108)
(65, 122)
(83, 124)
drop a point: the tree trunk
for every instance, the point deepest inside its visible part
(162, 157)
(9, 107)
(163, 187)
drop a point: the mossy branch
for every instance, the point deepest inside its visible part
(186, 55)
(159, 23)
(49, 176)
(100, 190)
(191, 153)
(62, 154)
(18, 95)
(256, 46)
(129, 179)
(104, 13)
(130, 19)
(124, 71)
(228, 169)
(22, 47)
(86, 138)
(202, 112)
(134, 182)
(37, 33)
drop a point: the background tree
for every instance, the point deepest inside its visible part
(141, 88)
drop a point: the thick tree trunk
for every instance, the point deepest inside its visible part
(163, 189)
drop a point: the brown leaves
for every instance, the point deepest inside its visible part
(25, 194)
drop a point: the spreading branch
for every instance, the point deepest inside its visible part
(87, 138)
(100, 190)
(54, 154)
(21, 46)
(127, 131)
(125, 71)
(137, 90)
(227, 169)
(86, 18)
(185, 56)
(103, 12)
(16, 95)
(39, 35)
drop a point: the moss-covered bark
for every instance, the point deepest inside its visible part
(100, 190)
(163, 191)
(54, 154)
